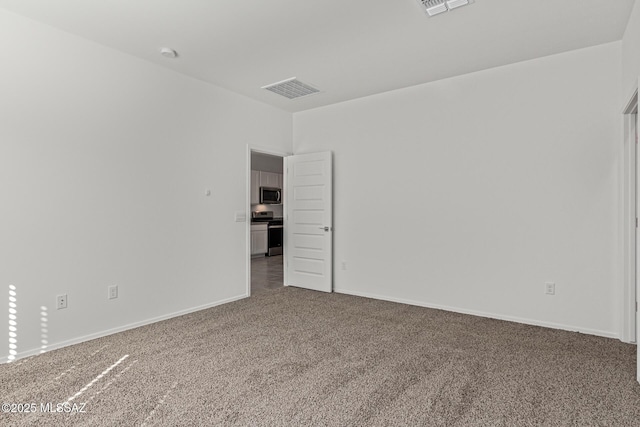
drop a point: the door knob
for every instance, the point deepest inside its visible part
(325, 228)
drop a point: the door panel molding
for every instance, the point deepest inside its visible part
(308, 221)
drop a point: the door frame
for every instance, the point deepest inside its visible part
(262, 150)
(629, 212)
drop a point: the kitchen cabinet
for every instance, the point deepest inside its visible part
(259, 239)
(255, 187)
(270, 179)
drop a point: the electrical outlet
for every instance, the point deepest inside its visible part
(344, 265)
(61, 301)
(550, 288)
(113, 292)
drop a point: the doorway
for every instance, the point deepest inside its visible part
(266, 211)
(630, 221)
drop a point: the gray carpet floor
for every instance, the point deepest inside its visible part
(291, 357)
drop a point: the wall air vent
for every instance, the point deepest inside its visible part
(436, 7)
(291, 88)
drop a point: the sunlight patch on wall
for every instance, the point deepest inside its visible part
(44, 329)
(13, 324)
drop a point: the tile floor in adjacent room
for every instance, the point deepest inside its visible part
(266, 274)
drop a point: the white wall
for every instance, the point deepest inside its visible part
(630, 72)
(470, 193)
(631, 54)
(104, 163)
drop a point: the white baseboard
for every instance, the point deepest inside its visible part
(112, 331)
(482, 314)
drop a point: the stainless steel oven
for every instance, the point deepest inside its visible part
(275, 232)
(275, 229)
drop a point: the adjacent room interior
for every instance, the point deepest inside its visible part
(267, 218)
(456, 179)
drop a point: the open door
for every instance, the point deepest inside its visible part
(637, 240)
(308, 221)
(634, 118)
(631, 320)
(631, 238)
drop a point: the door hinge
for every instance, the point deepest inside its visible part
(636, 305)
(636, 222)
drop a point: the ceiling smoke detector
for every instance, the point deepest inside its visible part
(436, 7)
(291, 88)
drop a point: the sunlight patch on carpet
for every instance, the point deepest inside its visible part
(96, 379)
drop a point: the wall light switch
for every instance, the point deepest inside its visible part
(241, 216)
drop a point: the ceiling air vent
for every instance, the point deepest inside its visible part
(435, 7)
(291, 88)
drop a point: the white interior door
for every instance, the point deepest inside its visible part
(308, 221)
(637, 240)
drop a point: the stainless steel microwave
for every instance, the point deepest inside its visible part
(270, 196)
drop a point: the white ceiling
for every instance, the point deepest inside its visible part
(346, 48)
